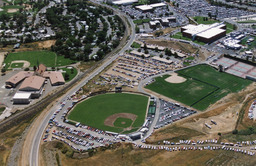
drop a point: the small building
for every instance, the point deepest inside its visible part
(55, 77)
(41, 69)
(21, 98)
(136, 136)
(154, 24)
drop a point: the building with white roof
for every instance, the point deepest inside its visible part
(21, 98)
(150, 7)
(204, 33)
(124, 2)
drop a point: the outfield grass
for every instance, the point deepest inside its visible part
(213, 87)
(17, 65)
(70, 73)
(95, 110)
(50, 59)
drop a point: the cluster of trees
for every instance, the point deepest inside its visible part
(170, 53)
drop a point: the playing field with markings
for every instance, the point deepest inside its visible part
(115, 112)
(204, 86)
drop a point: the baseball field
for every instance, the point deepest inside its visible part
(204, 86)
(115, 112)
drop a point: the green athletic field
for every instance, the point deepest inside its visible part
(50, 59)
(204, 86)
(95, 110)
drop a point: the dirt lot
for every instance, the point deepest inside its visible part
(46, 44)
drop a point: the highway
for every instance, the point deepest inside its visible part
(35, 145)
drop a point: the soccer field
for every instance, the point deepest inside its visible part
(204, 86)
(50, 59)
(119, 112)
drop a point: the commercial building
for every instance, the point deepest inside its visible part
(21, 98)
(204, 33)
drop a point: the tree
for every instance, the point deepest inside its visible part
(168, 58)
(220, 68)
(210, 15)
(137, 29)
(146, 51)
(161, 56)
(34, 67)
(219, 134)
(66, 76)
(235, 131)
(3, 70)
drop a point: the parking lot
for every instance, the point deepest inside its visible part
(171, 112)
(202, 8)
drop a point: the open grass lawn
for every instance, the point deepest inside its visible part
(200, 20)
(178, 35)
(50, 59)
(204, 86)
(250, 45)
(17, 65)
(70, 73)
(136, 45)
(2, 110)
(141, 21)
(246, 21)
(95, 110)
(123, 122)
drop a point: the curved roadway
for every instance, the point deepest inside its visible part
(34, 151)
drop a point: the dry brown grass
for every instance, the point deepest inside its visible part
(7, 140)
(127, 155)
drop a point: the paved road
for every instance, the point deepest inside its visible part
(34, 151)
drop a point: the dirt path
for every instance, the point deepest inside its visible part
(25, 65)
(2, 58)
(12, 10)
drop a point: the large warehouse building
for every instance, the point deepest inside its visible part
(204, 33)
(151, 7)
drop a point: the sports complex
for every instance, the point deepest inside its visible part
(114, 112)
(204, 86)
